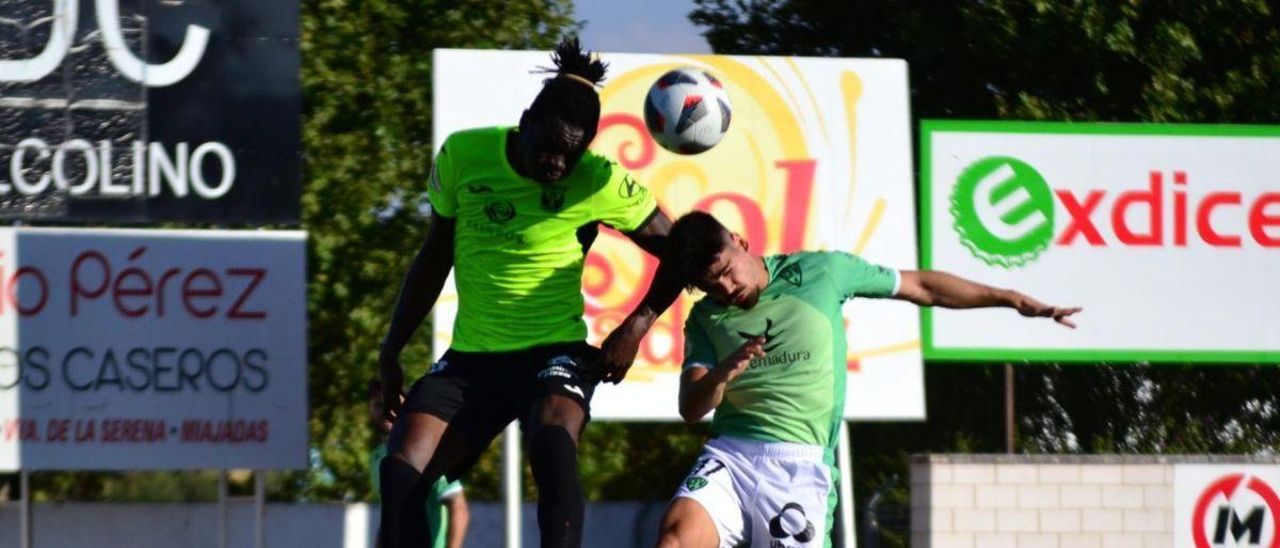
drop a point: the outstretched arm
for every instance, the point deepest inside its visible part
(418, 294)
(619, 349)
(936, 288)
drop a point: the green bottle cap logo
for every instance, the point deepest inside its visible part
(1003, 211)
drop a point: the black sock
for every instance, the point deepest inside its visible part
(554, 460)
(404, 495)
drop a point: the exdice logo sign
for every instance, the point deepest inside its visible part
(1004, 212)
(1167, 235)
(150, 111)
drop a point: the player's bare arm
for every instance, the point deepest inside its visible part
(459, 519)
(936, 288)
(701, 389)
(619, 349)
(418, 295)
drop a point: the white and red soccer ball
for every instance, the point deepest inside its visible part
(687, 110)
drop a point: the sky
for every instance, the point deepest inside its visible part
(639, 26)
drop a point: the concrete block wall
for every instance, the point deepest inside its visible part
(1044, 501)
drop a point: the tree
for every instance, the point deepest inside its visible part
(1097, 60)
(1160, 61)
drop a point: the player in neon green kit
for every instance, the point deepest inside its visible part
(514, 210)
(766, 350)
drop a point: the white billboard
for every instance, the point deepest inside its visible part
(1167, 235)
(1225, 505)
(818, 156)
(149, 349)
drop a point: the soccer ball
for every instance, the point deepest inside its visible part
(687, 110)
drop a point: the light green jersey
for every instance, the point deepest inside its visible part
(518, 257)
(795, 393)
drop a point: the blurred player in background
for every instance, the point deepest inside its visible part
(514, 211)
(766, 350)
(446, 509)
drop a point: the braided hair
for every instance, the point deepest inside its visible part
(569, 94)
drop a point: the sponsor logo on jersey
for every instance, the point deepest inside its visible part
(792, 523)
(630, 188)
(769, 344)
(500, 212)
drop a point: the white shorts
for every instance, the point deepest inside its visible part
(762, 494)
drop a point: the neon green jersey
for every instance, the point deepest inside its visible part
(795, 393)
(518, 257)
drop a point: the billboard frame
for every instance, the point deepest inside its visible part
(931, 352)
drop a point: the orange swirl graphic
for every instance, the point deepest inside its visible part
(647, 145)
(758, 181)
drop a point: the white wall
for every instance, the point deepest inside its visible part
(314, 525)
(1054, 501)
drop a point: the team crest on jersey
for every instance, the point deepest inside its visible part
(500, 212)
(693, 483)
(792, 274)
(552, 198)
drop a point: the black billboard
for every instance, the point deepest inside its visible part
(150, 110)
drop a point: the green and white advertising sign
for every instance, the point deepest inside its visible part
(1167, 235)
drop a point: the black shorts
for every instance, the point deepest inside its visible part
(480, 393)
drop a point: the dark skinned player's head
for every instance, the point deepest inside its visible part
(558, 127)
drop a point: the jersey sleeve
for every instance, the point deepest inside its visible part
(441, 184)
(623, 203)
(698, 351)
(854, 276)
(445, 489)
(375, 460)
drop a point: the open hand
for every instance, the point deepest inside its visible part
(1032, 308)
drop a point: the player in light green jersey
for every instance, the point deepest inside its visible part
(766, 350)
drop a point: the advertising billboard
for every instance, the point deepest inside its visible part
(150, 111)
(1167, 235)
(817, 157)
(142, 349)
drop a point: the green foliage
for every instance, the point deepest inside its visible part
(1099, 60)
(1159, 61)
